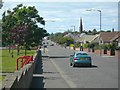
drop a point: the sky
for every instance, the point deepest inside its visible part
(63, 15)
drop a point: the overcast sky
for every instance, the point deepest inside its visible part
(66, 14)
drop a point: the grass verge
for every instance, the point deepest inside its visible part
(8, 63)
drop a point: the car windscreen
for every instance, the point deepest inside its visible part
(79, 54)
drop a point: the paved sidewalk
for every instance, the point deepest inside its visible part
(52, 77)
(47, 76)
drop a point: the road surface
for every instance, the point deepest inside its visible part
(57, 73)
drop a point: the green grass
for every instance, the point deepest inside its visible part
(2, 78)
(8, 63)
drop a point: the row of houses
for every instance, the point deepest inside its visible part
(102, 38)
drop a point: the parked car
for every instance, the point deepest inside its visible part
(80, 58)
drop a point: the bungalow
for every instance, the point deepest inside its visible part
(116, 39)
(87, 38)
(74, 36)
(108, 37)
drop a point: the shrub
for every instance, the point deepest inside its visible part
(111, 46)
(85, 45)
(77, 44)
(104, 46)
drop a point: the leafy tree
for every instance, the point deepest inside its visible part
(108, 31)
(66, 41)
(94, 31)
(20, 26)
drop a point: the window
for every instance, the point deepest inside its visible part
(78, 54)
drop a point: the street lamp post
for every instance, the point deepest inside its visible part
(100, 31)
(74, 36)
(100, 18)
(100, 25)
(100, 15)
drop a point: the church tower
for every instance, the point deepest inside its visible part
(81, 26)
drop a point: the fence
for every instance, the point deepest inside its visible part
(23, 60)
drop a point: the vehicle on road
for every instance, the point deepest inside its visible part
(80, 58)
(45, 46)
(52, 45)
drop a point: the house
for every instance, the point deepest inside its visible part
(74, 36)
(96, 39)
(116, 39)
(108, 37)
(69, 35)
(87, 38)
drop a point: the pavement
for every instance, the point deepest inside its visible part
(48, 76)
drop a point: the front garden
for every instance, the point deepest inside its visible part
(107, 49)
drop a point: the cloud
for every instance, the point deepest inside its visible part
(51, 12)
(63, 15)
(53, 19)
(114, 21)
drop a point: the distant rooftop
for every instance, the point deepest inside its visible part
(107, 36)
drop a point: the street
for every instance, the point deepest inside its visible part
(40, 41)
(57, 73)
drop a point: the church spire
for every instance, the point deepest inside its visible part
(81, 26)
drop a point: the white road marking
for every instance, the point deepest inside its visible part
(38, 75)
(65, 77)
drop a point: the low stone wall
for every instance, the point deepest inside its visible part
(23, 77)
(117, 52)
(85, 49)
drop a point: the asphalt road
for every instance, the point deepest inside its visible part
(58, 73)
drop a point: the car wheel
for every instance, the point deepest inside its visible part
(74, 65)
(70, 64)
(90, 65)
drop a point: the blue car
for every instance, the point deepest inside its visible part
(80, 58)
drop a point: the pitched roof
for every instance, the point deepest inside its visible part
(69, 35)
(96, 39)
(88, 38)
(107, 36)
(116, 36)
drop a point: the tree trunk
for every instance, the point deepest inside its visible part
(18, 50)
(25, 51)
(9, 49)
(12, 53)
